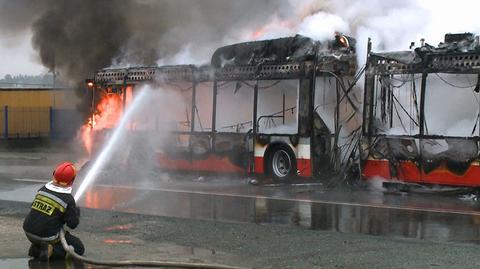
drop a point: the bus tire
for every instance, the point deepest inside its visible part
(281, 163)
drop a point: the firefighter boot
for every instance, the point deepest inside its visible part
(45, 252)
(34, 251)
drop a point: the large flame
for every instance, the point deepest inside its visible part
(106, 115)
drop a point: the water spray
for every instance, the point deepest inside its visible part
(109, 147)
(90, 177)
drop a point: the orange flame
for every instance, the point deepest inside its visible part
(272, 27)
(117, 241)
(119, 227)
(107, 114)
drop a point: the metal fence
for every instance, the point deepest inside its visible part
(36, 122)
(3, 126)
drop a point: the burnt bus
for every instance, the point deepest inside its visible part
(273, 107)
(421, 114)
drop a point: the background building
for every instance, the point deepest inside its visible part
(38, 112)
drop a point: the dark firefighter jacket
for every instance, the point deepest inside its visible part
(49, 212)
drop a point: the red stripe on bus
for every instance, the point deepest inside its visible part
(303, 166)
(408, 171)
(376, 168)
(259, 169)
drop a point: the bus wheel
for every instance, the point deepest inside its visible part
(282, 163)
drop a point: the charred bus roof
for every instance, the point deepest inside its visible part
(459, 53)
(284, 58)
(280, 51)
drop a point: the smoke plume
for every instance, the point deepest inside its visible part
(77, 37)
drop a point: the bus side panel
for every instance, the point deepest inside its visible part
(406, 171)
(259, 167)
(212, 163)
(391, 158)
(302, 152)
(194, 152)
(304, 167)
(409, 172)
(372, 169)
(443, 175)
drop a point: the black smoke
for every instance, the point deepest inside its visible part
(77, 37)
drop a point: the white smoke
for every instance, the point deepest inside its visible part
(322, 26)
(449, 17)
(391, 24)
(188, 54)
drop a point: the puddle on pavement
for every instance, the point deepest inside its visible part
(419, 217)
(170, 251)
(173, 252)
(25, 193)
(23, 263)
(428, 217)
(121, 227)
(177, 252)
(193, 252)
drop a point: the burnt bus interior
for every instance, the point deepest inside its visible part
(295, 88)
(421, 114)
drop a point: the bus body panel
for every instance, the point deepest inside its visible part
(380, 169)
(421, 115)
(211, 163)
(203, 146)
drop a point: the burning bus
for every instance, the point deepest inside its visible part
(421, 114)
(282, 108)
(289, 107)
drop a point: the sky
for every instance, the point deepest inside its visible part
(396, 23)
(18, 55)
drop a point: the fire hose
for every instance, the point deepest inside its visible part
(139, 263)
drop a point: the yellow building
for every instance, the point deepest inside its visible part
(29, 112)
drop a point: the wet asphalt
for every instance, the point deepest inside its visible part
(225, 220)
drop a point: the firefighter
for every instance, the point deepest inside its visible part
(52, 208)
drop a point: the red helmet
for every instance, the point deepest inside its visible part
(64, 174)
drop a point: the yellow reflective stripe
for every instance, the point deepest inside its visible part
(50, 202)
(53, 197)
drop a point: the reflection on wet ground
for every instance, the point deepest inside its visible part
(420, 216)
(34, 264)
(431, 217)
(164, 250)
